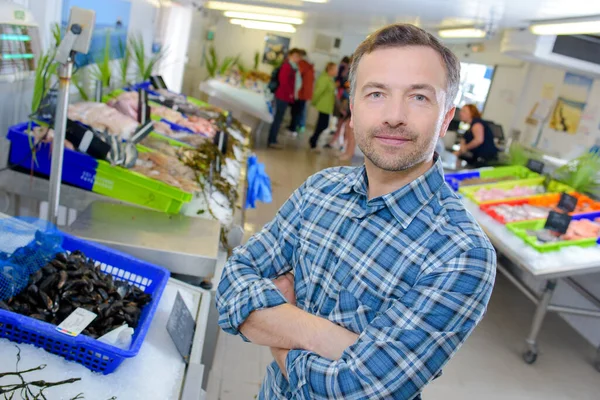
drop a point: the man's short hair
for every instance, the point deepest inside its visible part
(401, 35)
(294, 51)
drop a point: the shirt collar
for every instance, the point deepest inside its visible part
(406, 202)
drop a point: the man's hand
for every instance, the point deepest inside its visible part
(285, 284)
(280, 355)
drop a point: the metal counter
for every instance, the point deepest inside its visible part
(184, 245)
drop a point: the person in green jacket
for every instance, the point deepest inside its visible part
(324, 101)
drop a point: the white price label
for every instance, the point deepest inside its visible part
(76, 323)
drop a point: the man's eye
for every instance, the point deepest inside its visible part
(376, 95)
(420, 97)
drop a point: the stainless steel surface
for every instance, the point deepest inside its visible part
(37, 188)
(583, 312)
(58, 143)
(184, 245)
(540, 314)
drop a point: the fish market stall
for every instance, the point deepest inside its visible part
(71, 360)
(564, 263)
(248, 106)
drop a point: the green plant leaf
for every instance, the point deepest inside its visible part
(212, 62)
(124, 62)
(76, 80)
(102, 71)
(256, 60)
(136, 43)
(56, 34)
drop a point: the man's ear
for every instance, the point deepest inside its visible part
(447, 119)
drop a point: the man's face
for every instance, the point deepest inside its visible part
(398, 110)
(296, 57)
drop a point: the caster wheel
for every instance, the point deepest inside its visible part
(530, 357)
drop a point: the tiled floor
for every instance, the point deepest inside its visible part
(488, 367)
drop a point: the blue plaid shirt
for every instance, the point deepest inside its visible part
(411, 272)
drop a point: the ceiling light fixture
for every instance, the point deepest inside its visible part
(456, 33)
(265, 26)
(263, 17)
(566, 27)
(223, 6)
(316, 1)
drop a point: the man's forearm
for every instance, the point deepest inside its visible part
(288, 327)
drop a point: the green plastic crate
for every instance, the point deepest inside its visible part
(132, 187)
(198, 103)
(553, 187)
(517, 171)
(520, 229)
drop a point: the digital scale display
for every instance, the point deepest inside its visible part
(19, 46)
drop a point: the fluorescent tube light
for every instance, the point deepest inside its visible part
(265, 26)
(263, 17)
(316, 1)
(462, 33)
(566, 28)
(223, 6)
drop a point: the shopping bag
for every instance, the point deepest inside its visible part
(259, 184)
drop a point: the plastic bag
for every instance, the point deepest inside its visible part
(259, 184)
(26, 245)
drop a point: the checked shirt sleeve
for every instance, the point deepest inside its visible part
(246, 284)
(407, 345)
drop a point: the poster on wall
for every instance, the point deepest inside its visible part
(276, 48)
(112, 23)
(572, 99)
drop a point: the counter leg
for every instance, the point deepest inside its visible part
(530, 355)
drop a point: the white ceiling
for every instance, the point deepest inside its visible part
(366, 15)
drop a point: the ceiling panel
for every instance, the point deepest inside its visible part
(364, 16)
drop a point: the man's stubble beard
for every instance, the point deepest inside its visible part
(409, 155)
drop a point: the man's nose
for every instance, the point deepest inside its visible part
(395, 112)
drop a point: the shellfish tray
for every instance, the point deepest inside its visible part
(91, 353)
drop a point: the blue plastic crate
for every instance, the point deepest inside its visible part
(78, 169)
(453, 180)
(143, 85)
(95, 355)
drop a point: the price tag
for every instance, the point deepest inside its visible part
(535, 166)
(143, 107)
(158, 82)
(558, 222)
(76, 323)
(567, 202)
(181, 327)
(142, 132)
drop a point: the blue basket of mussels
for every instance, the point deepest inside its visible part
(118, 288)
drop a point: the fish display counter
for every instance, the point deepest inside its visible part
(248, 106)
(157, 372)
(78, 320)
(527, 263)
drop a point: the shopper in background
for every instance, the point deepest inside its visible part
(477, 147)
(390, 273)
(285, 94)
(307, 73)
(324, 101)
(342, 75)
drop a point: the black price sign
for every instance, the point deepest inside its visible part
(181, 327)
(158, 82)
(567, 202)
(142, 131)
(535, 166)
(143, 107)
(558, 222)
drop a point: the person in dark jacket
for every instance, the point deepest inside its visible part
(477, 147)
(285, 93)
(307, 72)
